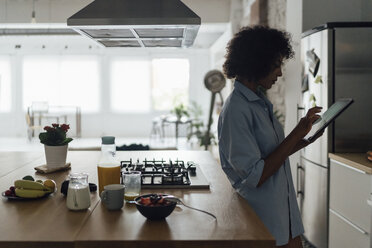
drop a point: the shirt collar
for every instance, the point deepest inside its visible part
(251, 96)
(248, 93)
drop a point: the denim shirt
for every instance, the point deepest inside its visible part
(248, 132)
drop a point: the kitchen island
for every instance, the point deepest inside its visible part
(48, 223)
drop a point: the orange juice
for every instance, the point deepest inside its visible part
(130, 196)
(132, 182)
(108, 175)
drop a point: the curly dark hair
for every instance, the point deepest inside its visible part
(254, 52)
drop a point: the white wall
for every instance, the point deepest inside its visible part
(105, 122)
(293, 74)
(47, 11)
(217, 58)
(276, 18)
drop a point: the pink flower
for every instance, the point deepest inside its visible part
(47, 128)
(65, 127)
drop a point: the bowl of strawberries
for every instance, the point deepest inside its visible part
(155, 206)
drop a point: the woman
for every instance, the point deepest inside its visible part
(253, 150)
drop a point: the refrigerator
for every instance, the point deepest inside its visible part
(336, 63)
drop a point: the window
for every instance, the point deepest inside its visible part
(170, 83)
(130, 85)
(145, 85)
(62, 81)
(5, 84)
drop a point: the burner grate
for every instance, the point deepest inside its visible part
(161, 172)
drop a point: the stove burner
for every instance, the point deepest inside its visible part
(161, 172)
(172, 179)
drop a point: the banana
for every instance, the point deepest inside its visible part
(26, 184)
(29, 193)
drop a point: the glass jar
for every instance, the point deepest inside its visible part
(78, 194)
(108, 167)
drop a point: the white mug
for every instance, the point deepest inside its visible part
(112, 196)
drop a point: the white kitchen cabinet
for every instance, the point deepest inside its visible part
(343, 234)
(349, 191)
(349, 213)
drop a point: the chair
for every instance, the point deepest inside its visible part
(41, 111)
(31, 128)
(173, 127)
(37, 110)
(40, 107)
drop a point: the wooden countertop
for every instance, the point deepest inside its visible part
(48, 223)
(42, 222)
(356, 160)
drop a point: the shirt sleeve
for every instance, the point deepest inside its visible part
(239, 147)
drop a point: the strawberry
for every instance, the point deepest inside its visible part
(145, 201)
(161, 200)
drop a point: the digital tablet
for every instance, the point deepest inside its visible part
(327, 117)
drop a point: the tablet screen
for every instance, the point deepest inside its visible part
(327, 117)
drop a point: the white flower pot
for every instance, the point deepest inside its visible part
(55, 155)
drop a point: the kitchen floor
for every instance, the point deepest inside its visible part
(306, 244)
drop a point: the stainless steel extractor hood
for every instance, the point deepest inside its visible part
(137, 23)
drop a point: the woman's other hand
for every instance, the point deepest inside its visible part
(306, 123)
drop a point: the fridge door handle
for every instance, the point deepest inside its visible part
(369, 202)
(299, 108)
(299, 182)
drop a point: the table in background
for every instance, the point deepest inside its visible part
(55, 113)
(159, 125)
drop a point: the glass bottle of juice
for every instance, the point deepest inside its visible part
(108, 166)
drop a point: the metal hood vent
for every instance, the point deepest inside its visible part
(137, 23)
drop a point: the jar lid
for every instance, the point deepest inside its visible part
(108, 140)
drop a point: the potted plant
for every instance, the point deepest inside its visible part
(199, 131)
(180, 110)
(55, 144)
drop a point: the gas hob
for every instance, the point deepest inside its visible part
(167, 173)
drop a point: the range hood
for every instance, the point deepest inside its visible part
(137, 23)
